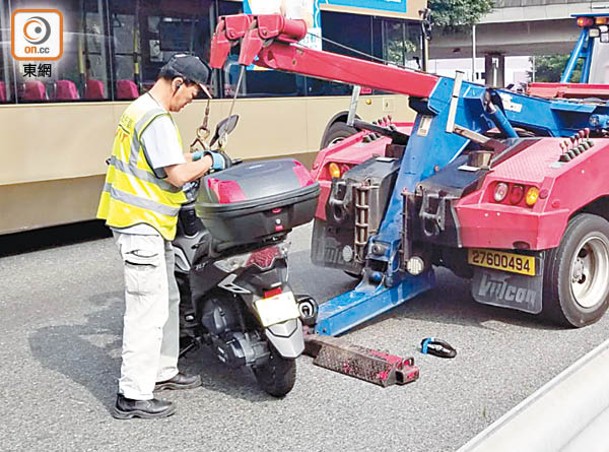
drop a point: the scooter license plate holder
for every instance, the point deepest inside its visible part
(277, 309)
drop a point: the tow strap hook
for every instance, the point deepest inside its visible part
(437, 347)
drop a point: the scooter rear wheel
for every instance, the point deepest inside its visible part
(278, 375)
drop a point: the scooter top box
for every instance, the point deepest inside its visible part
(253, 200)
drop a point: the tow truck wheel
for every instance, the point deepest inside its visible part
(576, 285)
(337, 132)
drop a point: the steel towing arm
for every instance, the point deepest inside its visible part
(451, 114)
(268, 41)
(271, 41)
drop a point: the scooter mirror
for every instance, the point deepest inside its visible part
(224, 127)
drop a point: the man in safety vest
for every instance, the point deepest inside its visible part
(140, 201)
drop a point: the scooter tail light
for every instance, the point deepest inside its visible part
(264, 258)
(233, 263)
(272, 292)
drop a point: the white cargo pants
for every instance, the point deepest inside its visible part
(151, 321)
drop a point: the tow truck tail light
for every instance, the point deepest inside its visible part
(337, 170)
(501, 191)
(602, 20)
(532, 196)
(334, 171)
(584, 22)
(515, 194)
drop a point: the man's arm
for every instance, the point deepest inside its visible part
(178, 175)
(166, 156)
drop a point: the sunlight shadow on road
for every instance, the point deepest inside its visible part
(88, 354)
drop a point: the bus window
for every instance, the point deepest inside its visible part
(230, 74)
(85, 55)
(257, 82)
(342, 32)
(94, 55)
(148, 33)
(402, 43)
(367, 37)
(166, 36)
(33, 79)
(123, 32)
(6, 66)
(355, 35)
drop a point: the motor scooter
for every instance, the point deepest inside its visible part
(232, 264)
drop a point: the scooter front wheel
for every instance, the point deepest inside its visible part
(277, 375)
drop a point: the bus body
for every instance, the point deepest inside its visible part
(58, 118)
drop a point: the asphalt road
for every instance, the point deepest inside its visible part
(60, 323)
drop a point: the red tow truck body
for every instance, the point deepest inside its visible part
(503, 188)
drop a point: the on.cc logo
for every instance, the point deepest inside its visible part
(37, 30)
(37, 34)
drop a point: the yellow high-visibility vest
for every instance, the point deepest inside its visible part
(132, 193)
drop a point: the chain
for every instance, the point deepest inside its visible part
(237, 88)
(202, 132)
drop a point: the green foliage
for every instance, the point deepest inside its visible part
(458, 13)
(549, 68)
(401, 42)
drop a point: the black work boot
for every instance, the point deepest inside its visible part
(146, 409)
(180, 381)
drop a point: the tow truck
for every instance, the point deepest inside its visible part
(504, 188)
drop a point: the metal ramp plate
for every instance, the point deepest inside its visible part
(367, 364)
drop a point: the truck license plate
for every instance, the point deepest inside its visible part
(499, 260)
(277, 309)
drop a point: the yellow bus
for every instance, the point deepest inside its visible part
(57, 118)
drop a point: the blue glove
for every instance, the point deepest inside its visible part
(219, 161)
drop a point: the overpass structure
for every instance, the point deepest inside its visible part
(516, 28)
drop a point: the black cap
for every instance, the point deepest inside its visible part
(190, 68)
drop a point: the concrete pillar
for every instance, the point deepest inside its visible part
(494, 69)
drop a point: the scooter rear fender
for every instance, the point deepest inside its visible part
(287, 338)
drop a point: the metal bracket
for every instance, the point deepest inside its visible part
(408, 213)
(433, 221)
(353, 105)
(454, 100)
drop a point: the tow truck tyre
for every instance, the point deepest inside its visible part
(278, 375)
(337, 132)
(576, 274)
